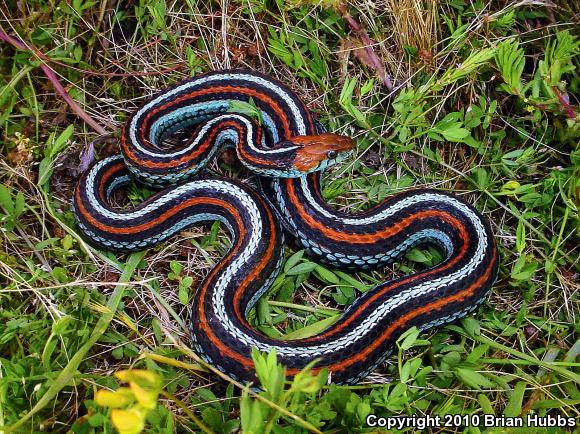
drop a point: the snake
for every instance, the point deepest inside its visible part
(277, 137)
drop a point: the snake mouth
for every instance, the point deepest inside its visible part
(317, 149)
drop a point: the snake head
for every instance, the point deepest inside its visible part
(316, 152)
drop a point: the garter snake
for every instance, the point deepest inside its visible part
(289, 176)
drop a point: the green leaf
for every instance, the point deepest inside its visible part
(523, 270)
(47, 352)
(52, 149)
(363, 409)
(471, 325)
(312, 329)
(352, 281)
(206, 394)
(303, 268)
(408, 339)
(186, 282)
(409, 369)
(485, 404)
(60, 326)
(246, 108)
(156, 326)
(416, 255)
(475, 60)
(176, 267)
(18, 204)
(305, 381)
(57, 145)
(520, 236)
(46, 243)
(455, 133)
(326, 275)
(212, 417)
(67, 242)
(549, 266)
(183, 295)
(251, 415)
(6, 200)
(263, 311)
(345, 98)
(477, 353)
(514, 406)
(472, 378)
(366, 88)
(293, 260)
(504, 21)
(481, 178)
(558, 57)
(510, 61)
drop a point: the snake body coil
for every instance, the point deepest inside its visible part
(361, 339)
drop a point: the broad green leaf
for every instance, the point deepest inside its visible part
(176, 267)
(212, 417)
(481, 178)
(352, 281)
(471, 325)
(416, 255)
(18, 204)
(473, 379)
(293, 260)
(302, 268)
(455, 133)
(251, 415)
(408, 338)
(326, 275)
(313, 329)
(485, 404)
(6, 199)
(514, 406)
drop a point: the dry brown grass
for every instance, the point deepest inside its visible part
(415, 24)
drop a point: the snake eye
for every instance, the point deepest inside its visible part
(331, 154)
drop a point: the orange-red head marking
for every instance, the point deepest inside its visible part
(321, 149)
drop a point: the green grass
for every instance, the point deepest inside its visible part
(485, 104)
